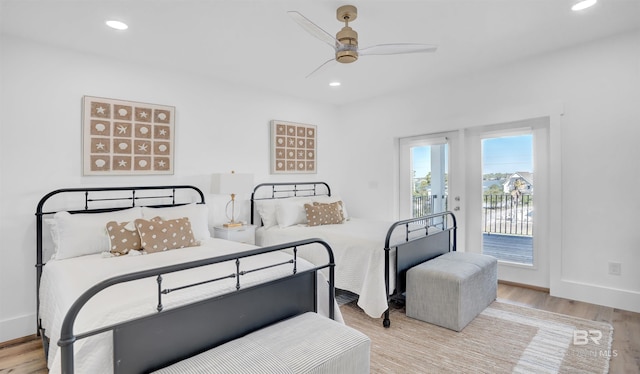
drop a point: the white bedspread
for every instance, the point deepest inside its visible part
(64, 280)
(358, 247)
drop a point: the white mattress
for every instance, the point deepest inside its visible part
(64, 280)
(358, 247)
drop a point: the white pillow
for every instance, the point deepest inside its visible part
(198, 215)
(48, 243)
(85, 233)
(333, 199)
(291, 211)
(267, 211)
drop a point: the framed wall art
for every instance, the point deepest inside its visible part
(126, 137)
(293, 148)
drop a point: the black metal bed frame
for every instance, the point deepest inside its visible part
(85, 198)
(284, 190)
(415, 248)
(167, 336)
(157, 340)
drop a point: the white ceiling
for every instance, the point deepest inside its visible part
(257, 44)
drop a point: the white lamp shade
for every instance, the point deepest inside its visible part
(231, 183)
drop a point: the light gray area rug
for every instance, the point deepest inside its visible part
(505, 338)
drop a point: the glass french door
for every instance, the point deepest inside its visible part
(507, 189)
(507, 197)
(455, 171)
(424, 176)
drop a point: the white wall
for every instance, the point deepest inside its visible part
(219, 128)
(598, 87)
(597, 84)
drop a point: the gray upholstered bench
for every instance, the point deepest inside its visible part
(452, 289)
(307, 343)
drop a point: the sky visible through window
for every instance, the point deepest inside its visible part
(422, 160)
(508, 154)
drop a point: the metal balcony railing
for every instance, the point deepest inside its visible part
(508, 214)
(424, 204)
(501, 214)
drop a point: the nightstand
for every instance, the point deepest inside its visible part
(242, 234)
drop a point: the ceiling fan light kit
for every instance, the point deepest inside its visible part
(347, 53)
(348, 37)
(345, 43)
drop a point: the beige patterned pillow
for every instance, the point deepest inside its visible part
(158, 235)
(334, 205)
(123, 237)
(324, 214)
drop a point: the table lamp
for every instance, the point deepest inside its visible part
(233, 184)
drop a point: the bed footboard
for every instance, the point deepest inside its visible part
(424, 238)
(153, 341)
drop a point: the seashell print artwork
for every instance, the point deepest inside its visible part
(126, 137)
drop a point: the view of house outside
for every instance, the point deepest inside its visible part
(508, 190)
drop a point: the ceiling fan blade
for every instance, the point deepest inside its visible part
(395, 49)
(320, 67)
(314, 29)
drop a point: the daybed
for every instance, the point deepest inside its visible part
(372, 257)
(112, 311)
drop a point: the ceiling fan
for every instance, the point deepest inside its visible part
(345, 43)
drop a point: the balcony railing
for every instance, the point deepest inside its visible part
(508, 214)
(424, 204)
(501, 214)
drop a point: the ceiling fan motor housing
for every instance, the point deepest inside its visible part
(348, 52)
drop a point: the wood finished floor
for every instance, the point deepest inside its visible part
(26, 356)
(512, 248)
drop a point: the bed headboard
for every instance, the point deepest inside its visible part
(105, 199)
(284, 190)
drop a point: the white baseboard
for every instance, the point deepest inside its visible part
(594, 294)
(18, 327)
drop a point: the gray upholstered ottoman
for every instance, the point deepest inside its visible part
(452, 289)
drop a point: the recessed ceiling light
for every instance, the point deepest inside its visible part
(117, 25)
(584, 4)
(334, 84)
